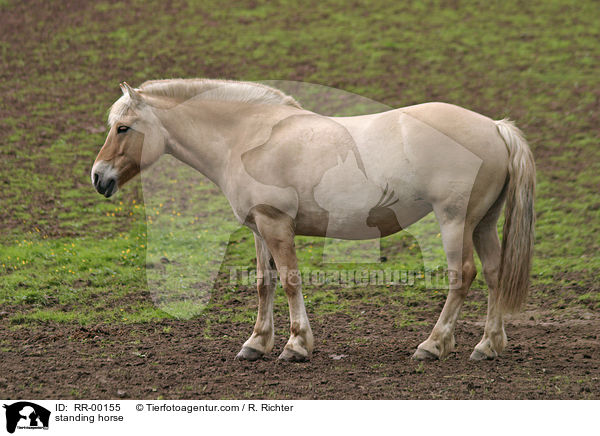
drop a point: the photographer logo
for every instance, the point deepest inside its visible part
(26, 415)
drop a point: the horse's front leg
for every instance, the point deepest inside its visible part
(277, 230)
(262, 339)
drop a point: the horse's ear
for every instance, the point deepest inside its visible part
(133, 94)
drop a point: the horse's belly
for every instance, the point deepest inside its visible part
(365, 212)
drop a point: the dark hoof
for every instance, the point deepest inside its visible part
(247, 353)
(478, 355)
(422, 354)
(292, 356)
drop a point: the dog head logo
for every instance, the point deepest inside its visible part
(24, 414)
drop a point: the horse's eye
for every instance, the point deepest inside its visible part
(122, 129)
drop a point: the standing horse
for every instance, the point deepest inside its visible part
(287, 171)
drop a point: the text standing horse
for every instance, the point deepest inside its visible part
(288, 171)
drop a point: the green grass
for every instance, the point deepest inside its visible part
(69, 255)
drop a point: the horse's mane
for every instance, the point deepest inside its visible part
(212, 89)
(206, 89)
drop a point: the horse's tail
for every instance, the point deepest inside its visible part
(519, 220)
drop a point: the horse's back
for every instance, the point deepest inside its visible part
(470, 129)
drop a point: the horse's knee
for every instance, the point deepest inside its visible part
(263, 290)
(265, 285)
(292, 282)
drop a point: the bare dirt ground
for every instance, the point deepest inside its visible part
(546, 358)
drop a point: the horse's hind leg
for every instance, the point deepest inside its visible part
(277, 230)
(262, 339)
(487, 245)
(458, 245)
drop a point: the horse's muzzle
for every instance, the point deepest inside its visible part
(104, 179)
(107, 189)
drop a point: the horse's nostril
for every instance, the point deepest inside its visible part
(96, 179)
(110, 188)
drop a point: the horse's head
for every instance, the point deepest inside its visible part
(135, 141)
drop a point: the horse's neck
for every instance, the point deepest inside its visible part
(204, 133)
(200, 135)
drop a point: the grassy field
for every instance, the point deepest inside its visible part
(67, 255)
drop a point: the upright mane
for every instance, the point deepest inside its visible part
(206, 89)
(212, 89)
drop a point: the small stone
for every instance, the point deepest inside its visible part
(337, 356)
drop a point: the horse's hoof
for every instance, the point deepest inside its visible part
(422, 354)
(292, 356)
(247, 353)
(478, 355)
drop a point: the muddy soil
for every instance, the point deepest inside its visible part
(546, 359)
